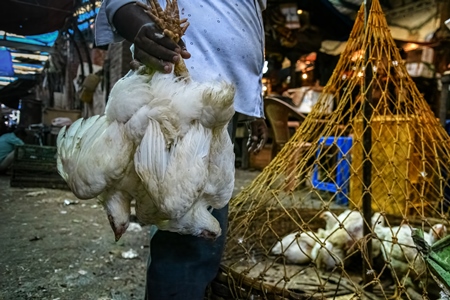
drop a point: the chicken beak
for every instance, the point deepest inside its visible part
(118, 232)
(117, 236)
(209, 235)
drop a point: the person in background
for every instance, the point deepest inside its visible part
(3, 127)
(224, 42)
(8, 142)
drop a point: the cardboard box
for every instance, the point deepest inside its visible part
(50, 113)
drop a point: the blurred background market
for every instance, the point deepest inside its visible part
(51, 72)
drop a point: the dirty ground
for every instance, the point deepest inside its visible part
(54, 246)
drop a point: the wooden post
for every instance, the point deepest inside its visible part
(444, 9)
(367, 146)
(443, 101)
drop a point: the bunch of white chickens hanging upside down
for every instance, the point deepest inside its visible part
(162, 141)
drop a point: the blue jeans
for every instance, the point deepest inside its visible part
(181, 266)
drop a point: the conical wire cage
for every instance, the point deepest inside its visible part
(333, 213)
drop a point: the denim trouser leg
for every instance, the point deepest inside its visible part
(181, 266)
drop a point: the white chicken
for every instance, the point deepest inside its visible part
(296, 247)
(89, 171)
(163, 142)
(330, 220)
(339, 240)
(304, 247)
(398, 249)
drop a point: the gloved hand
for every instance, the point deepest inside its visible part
(155, 50)
(151, 47)
(258, 134)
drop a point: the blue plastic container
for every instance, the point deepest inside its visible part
(341, 181)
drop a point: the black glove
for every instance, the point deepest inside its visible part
(157, 51)
(151, 47)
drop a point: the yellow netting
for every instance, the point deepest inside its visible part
(324, 168)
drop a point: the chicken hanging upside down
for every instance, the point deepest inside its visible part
(162, 141)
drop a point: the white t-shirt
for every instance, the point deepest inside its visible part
(225, 39)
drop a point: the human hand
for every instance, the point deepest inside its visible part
(258, 134)
(151, 46)
(155, 50)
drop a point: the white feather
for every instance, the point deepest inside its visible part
(127, 96)
(220, 182)
(296, 247)
(217, 105)
(186, 171)
(151, 160)
(91, 159)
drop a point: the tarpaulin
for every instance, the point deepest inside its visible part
(45, 39)
(6, 67)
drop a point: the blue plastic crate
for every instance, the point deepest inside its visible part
(340, 186)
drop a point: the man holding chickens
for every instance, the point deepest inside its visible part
(224, 42)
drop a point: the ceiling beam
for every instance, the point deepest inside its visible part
(42, 6)
(410, 8)
(24, 46)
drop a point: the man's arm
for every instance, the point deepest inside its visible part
(14, 140)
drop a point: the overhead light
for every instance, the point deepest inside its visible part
(410, 46)
(447, 23)
(299, 12)
(358, 55)
(304, 76)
